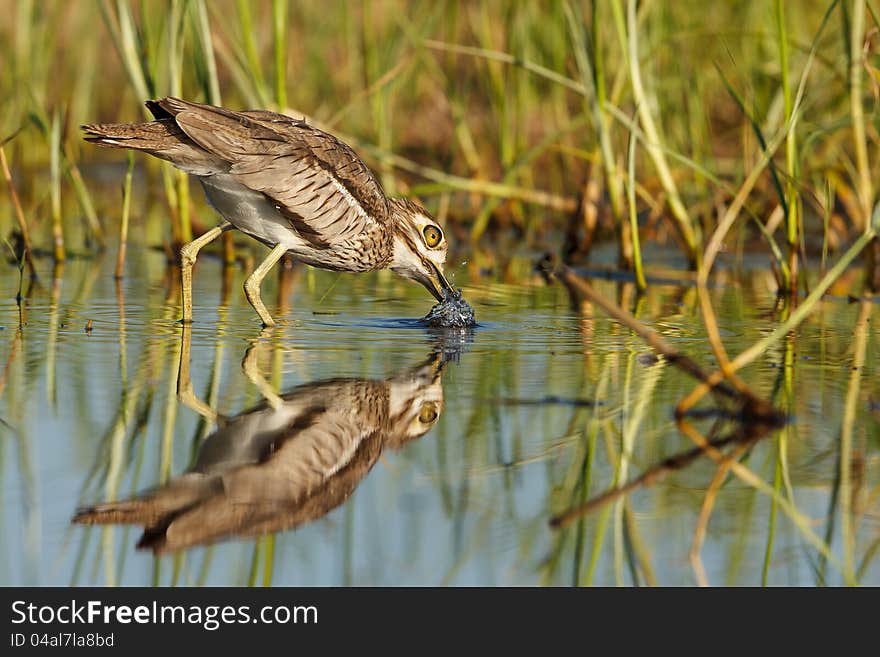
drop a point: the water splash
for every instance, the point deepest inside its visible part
(453, 311)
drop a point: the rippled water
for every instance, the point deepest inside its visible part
(542, 406)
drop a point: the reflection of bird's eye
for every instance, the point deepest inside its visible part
(432, 236)
(428, 414)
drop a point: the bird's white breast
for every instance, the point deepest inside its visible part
(251, 212)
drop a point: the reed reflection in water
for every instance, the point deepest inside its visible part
(548, 407)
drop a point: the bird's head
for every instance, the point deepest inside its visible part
(415, 401)
(419, 247)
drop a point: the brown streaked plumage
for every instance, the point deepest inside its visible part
(291, 186)
(275, 468)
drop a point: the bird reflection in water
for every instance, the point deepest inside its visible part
(288, 461)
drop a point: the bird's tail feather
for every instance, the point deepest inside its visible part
(161, 138)
(125, 512)
(151, 506)
(152, 137)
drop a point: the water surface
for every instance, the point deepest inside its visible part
(542, 406)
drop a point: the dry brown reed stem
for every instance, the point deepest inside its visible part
(752, 405)
(654, 475)
(799, 315)
(227, 242)
(872, 273)
(386, 78)
(459, 183)
(10, 358)
(225, 285)
(706, 510)
(19, 214)
(733, 211)
(286, 277)
(79, 186)
(713, 334)
(757, 430)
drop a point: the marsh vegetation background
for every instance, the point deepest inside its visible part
(712, 169)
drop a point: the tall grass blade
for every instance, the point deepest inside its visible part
(126, 210)
(633, 215)
(865, 185)
(687, 229)
(792, 205)
(27, 251)
(203, 30)
(279, 49)
(58, 249)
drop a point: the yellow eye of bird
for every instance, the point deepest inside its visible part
(432, 236)
(428, 414)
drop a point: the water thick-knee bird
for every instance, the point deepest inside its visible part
(273, 468)
(293, 187)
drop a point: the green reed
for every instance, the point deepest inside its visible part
(591, 66)
(27, 257)
(559, 439)
(792, 199)
(58, 250)
(508, 112)
(633, 215)
(620, 60)
(207, 63)
(654, 138)
(857, 63)
(247, 53)
(126, 210)
(279, 45)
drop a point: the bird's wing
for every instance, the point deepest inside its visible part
(316, 182)
(301, 462)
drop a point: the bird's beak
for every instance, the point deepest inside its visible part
(434, 281)
(428, 371)
(436, 364)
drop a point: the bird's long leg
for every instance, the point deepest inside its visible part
(188, 254)
(185, 392)
(252, 284)
(251, 368)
